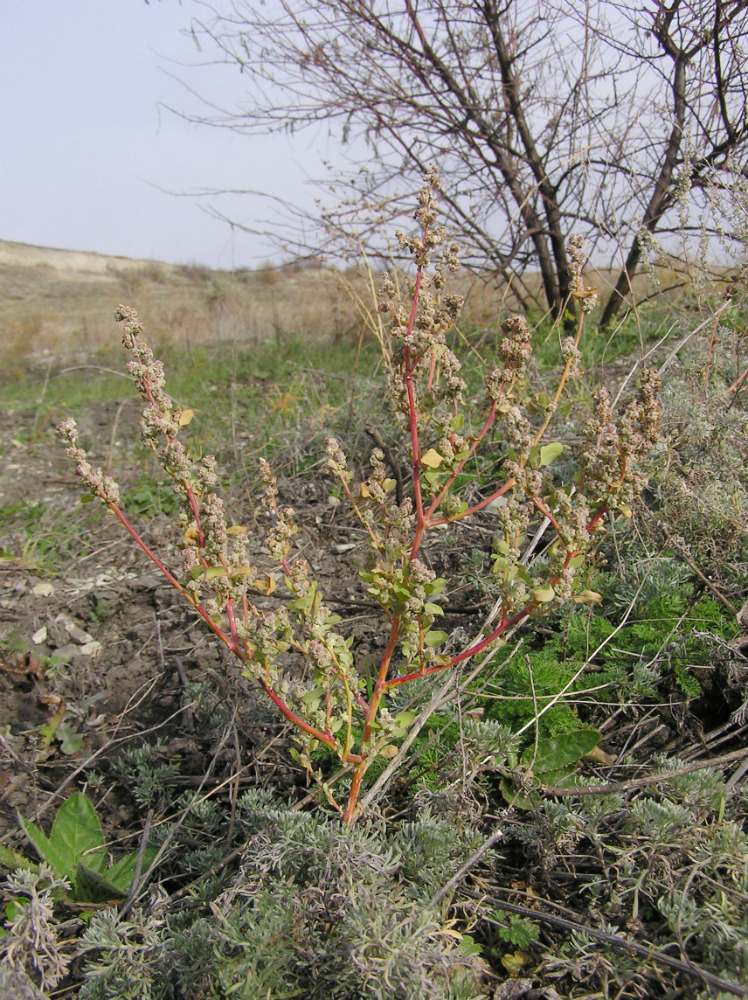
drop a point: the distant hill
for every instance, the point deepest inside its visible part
(79, 261)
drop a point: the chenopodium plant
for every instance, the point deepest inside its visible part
(292, 648)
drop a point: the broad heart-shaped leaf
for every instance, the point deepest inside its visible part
(558, 752)
(122, 874)
(432, 459)
(92, 887)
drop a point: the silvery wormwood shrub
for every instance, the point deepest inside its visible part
(305, 666)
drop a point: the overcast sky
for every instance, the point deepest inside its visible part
(87, 154)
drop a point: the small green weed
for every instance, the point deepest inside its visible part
(75, 851)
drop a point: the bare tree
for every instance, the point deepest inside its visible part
(544, 117)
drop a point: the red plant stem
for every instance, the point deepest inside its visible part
(414, 450)
(603, 510)
(736, 384)
(195, 512)
(232, 625)
(503, 625)
(169, 576)
(317, 734)
(476, 507)
(381, 683)
(473, 448)
(362, 763)
(538, 503)
(432, 371)
(349, 813)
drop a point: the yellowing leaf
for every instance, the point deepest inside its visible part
(600, 756)
(514, 963)
(242, 572)
(404, 718)
(363, 492)
(192, 534)
(237, 529)
(544, 594)
(432, 459)
(266, 586)
(550, 451)
(215, 572)
(588, 597)
(388, 752)
(185, 417)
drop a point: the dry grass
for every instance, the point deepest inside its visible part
(54, 301)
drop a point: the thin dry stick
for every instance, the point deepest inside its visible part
(652, 779)
(616, 941)
(136, 881)
(680, 549)
(668, 360)
(470, 863)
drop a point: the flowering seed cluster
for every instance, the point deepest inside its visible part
(422, 337)
(515, 350)
(101, 486)
(585, 296)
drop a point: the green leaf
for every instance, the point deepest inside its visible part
(457, 422)
(71, 741)
(10, 860)
(93, 887)
(14, 908)
(469, 945)
(549, 452)
(122, 874)
(214, 572)
(435, 638)
(75, 832)
(49, 852)
(433, 609)
(404, 718)
(558, 752)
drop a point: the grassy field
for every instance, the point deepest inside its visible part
(569, 817)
